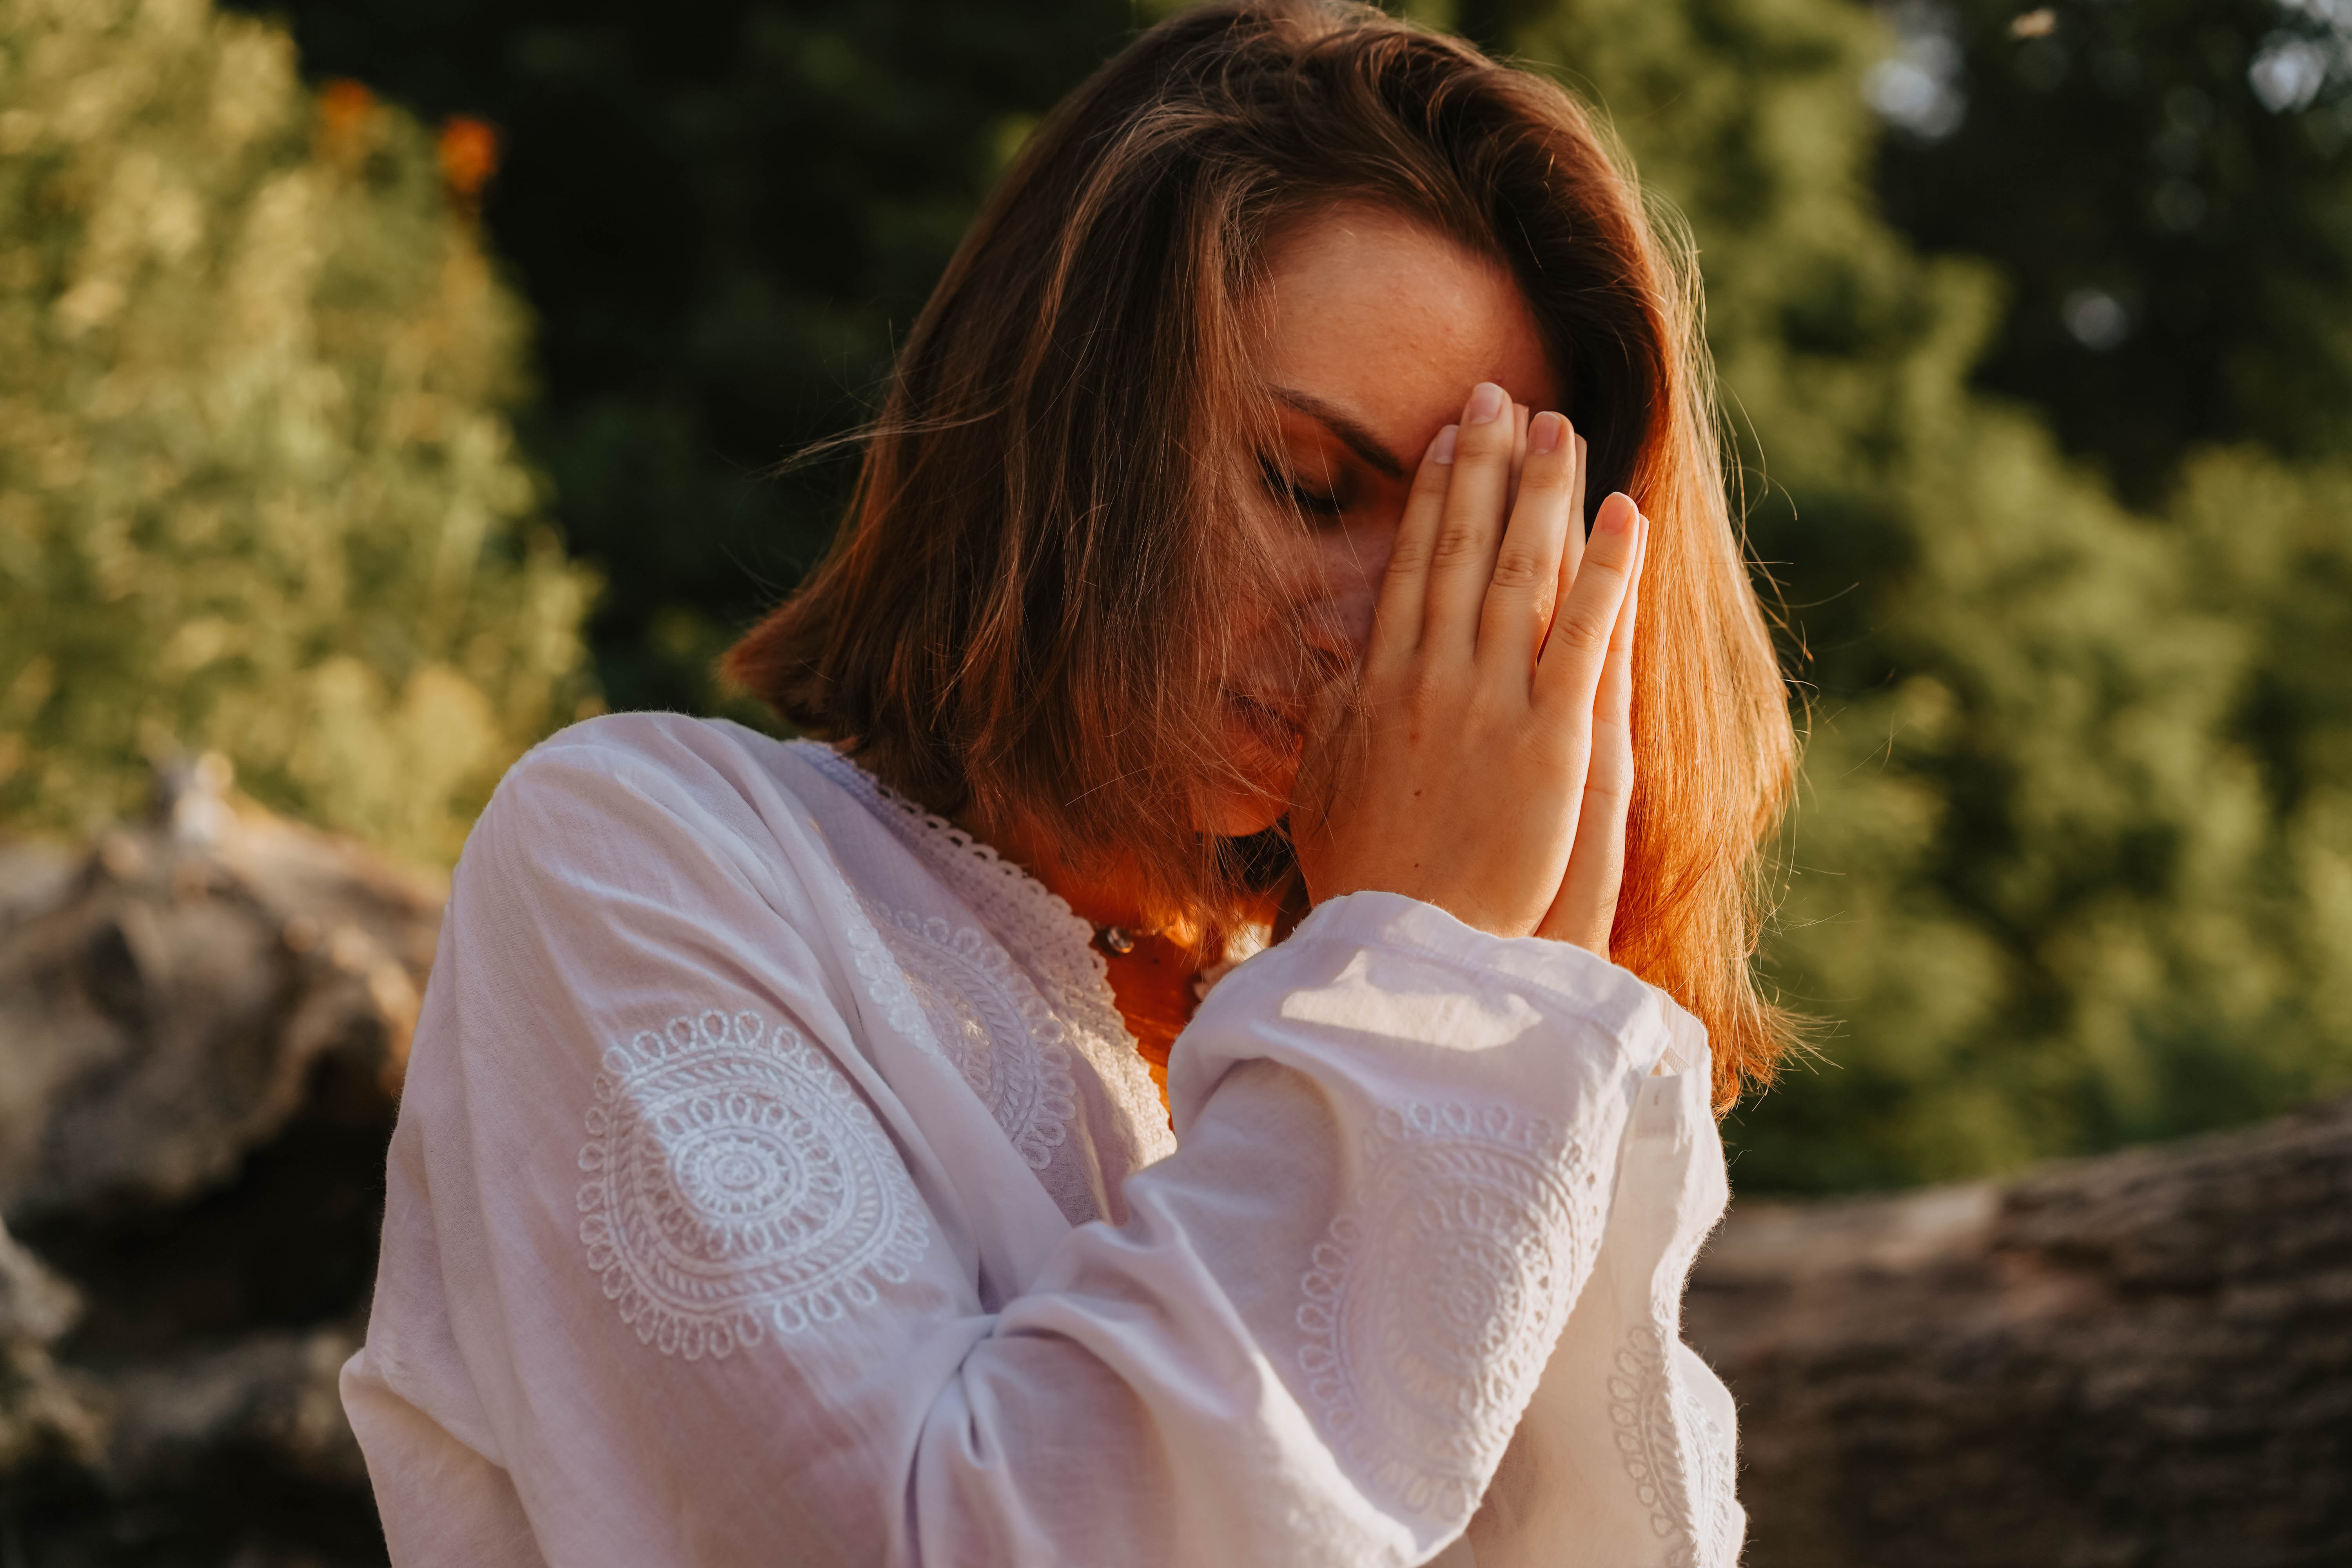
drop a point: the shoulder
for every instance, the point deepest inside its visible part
(665, 753)
(616, 798)
(629, 763)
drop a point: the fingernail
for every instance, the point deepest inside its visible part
(1544, 433)
(1617, 513)
(1487, 403)
(1441, 450)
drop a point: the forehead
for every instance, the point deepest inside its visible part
(1374, 311)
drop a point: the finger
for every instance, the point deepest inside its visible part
(1568, 668)
(1571, 544)
(1520, 415)
(1463, 558)
(1586, 909)
(1397, 613)
(1575, 552)
(1620, 635)
(1526, 563)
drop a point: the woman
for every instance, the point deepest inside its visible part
(781, 1176)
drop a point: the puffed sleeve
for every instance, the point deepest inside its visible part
(660, 1286)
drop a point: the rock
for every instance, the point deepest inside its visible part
(272, 1393)
(2144, 1359)
(202, 1024)
(32, 877)
(45, 1414)
(162, 1015)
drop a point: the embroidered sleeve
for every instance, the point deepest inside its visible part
(1434, 1297)
(738, 1187)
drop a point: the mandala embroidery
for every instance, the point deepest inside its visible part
(1714, 1501)
(992, 1026)
(737, 1184)
(1680, 1462)
(885, 982)
(1641, 1407)
(1433, 1302)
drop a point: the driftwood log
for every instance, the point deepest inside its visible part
(203, 1021)
(2139, 1359)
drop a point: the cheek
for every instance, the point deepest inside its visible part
(1352, 565)
(1330, 584)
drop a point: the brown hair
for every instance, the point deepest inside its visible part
(1026, 618)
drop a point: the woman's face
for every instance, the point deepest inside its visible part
(1379, 330)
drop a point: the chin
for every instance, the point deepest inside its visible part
(1237, 813)
(1262, 749)
(1256, 794)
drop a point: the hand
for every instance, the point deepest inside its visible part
(1484, 761)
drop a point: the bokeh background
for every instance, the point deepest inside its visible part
(386, 383)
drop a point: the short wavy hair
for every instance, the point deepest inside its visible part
(1028, 613)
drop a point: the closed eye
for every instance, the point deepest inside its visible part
(1284, 486)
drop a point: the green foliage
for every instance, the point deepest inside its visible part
(727, 212)
(257, 489)
(2069, 865)
(2189, 160)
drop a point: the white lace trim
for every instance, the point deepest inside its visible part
(1434, 1299)
(1037, 928)
(1680, 1462)
(992, 1025)
(739, 1184)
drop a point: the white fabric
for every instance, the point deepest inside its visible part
(775, 1183)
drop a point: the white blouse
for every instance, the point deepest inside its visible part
(776, 1182)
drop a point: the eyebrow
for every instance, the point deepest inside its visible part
(1351, 432)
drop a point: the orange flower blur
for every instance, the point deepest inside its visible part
(469, 154)
(346, 117)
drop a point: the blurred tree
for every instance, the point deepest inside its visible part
(258, 492)
(723, 211)
(2166, 188)
(2042, 878)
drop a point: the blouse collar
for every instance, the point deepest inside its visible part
(1034, 923)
